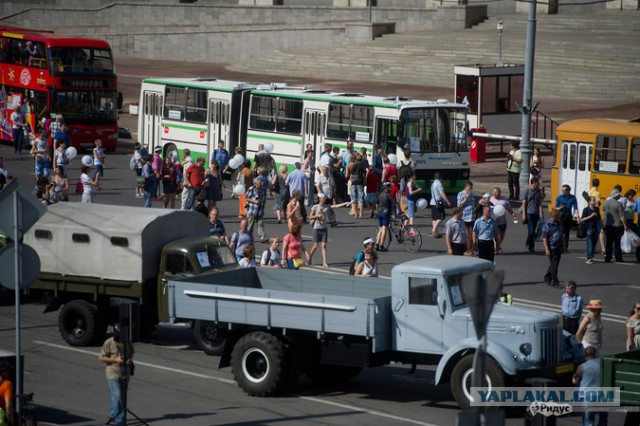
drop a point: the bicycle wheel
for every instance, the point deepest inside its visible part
(411, 239)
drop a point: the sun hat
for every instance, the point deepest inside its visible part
(594, 304)
(368, 241)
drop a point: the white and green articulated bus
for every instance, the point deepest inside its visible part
(195, 113)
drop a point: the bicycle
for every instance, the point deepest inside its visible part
(407, 235)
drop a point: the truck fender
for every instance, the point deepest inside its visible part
(498, 352)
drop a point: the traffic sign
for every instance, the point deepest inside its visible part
(481, 292)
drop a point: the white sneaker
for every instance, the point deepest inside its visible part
(589, 262)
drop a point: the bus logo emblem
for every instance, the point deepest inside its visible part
(25, 77)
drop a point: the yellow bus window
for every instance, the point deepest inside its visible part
(611, 154)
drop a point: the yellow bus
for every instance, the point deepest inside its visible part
(606, 149)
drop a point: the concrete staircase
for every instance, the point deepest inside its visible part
(577, 56)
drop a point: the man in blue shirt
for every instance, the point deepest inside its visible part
(572, 305)
(553, 246)
(587, 377)
(567, 206)
(467, 201)
(484, 230)
(221, 155)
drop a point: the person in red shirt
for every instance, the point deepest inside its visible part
(373, 183)
(194, 181)
(395, 192)
(389, 171)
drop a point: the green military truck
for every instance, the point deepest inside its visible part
(623, 371)
(95, 257)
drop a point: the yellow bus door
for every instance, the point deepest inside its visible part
(575, 169)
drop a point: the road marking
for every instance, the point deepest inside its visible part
(146, 364)
(556, 309)
(232, 382)
(363, 410)
(634, 286)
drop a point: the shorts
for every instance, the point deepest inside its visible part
(100, 169)
(436, 213)
(469, 224)
(383, 219)
(372, 198)
(502, 227)
(320, 235)
(169, 188)
(357, 194)
(411, 205)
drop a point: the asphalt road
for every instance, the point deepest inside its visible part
(177, 384)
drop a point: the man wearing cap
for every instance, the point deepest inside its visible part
(614, 226)
(591, 327)
(298, 180)
(455, 234)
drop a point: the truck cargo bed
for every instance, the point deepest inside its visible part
(302, 300)
(623, 370)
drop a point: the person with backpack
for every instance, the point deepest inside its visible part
(367, 243)
(356, 175)
(241, 239)
(271, 257)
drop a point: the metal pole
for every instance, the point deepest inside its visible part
(527, 109)
(369, 4)
(500, 28)
(17, 247)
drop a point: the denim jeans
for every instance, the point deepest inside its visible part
(148, 198)
(532, 224)
(589, 418)
(117, 413)
(592, 241)
(191, 198)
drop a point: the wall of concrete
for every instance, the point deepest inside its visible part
(205, 31)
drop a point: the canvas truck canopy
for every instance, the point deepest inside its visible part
(109, 242)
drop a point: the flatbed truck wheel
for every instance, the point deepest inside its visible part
(259, 364)
(80, 323)
(462, 379)
(210, 337)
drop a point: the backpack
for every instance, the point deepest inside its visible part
(404, 171)
(133, 163)
(79, 188)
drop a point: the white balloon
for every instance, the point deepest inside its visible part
(393, 159)
(499, 210)
(87, 160)
(71, 153)
(234, 163)
(422, 203)
(268, 147)
(238, 190)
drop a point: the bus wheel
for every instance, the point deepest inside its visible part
(259, 364)
(462, 379)
(210, 337)
(80, 324)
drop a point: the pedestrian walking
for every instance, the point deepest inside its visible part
(633, 328)
(591, 327)
(438, 201)
(386, 206)
(532, 212)
(467, 201)
(455, 234)
(614, 226)
(241, 239)
(552, 240)
(593, 227)
(256, 199)
(484, 231)
(292, 247)
(514, 162)
(567, 206)
(497, 199)
(317, 215)
(587, 377)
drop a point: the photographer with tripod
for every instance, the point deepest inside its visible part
(118, 355)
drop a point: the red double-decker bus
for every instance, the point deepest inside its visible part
(47, 74)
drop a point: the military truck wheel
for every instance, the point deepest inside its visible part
(80, 324)
(330, 374)
(259, 364)
(462, 379)
(210, 337)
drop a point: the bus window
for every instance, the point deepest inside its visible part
(634, 164)
(263, 113)
(572, 156)
(289, 119)
(174, 103)
(582, 158)
(196, 106)
(611, 154)
(361, 123)
(387, 134)
(338, 121)
(565, 152)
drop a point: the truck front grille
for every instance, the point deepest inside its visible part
(550, 346)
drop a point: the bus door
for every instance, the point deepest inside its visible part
(219, 125)
(575, 169)
(152, 119)
(387, 134)
(313, 133)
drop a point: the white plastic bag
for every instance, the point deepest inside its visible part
(629, 241)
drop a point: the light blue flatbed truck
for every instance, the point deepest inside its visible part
(279, 324)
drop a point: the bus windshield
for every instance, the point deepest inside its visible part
(78, 60)
(433, 130)
(85, 107)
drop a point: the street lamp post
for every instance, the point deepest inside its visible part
(500, 28)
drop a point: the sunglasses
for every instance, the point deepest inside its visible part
(637, 308)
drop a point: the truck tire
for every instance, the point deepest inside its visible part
(80, 324)
(330, 374)
(259, 364)
(210, 337)
(462, 376)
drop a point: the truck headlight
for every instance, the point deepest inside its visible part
(526, 349)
